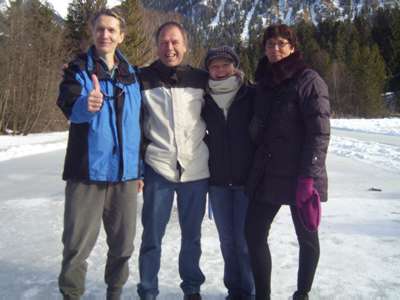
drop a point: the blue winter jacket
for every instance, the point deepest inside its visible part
(102, 146)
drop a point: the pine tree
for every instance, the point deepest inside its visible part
(78, 35)
(386, 33)
(318, 58)
(363, 27)
(255, 51)
(337, 83)
(245, 65)
(325, 35)
(371, 82)
(137, 45)
(306, 33)
(353, 62)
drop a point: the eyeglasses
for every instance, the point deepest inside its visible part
(272, 45)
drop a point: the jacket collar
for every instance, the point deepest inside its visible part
(272, 75)
(124, 73)
(169, 75)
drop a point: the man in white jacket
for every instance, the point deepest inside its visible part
(176, 161)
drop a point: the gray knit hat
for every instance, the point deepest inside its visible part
(221, 52)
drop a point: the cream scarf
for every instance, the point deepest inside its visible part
(224, 91)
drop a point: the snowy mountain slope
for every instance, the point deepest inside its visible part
(248, 15)
(2, 5)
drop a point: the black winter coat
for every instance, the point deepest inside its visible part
(291, 129)
(228, 140)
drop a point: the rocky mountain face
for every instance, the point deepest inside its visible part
(242, 17)
(2, 5)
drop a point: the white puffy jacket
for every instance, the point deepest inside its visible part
(173, 128)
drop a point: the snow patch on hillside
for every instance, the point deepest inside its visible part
(245, 34)
(215, 21)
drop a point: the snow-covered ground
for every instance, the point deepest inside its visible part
(359, 234)
(12, 147)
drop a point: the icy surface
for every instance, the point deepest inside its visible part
(359, 234)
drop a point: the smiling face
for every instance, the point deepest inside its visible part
(277, 48)
(171, 46)
(221, 68)
(107, 35)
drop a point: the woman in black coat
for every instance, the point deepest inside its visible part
(291, 130)
(227, 112)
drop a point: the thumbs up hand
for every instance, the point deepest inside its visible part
(95, 99)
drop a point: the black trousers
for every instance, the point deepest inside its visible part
(258, 222)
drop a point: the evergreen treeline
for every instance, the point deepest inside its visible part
(359, 59)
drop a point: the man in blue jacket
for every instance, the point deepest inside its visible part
(100, 96)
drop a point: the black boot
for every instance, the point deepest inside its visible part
(233, 297)
(300, 296)
(114, 293)
(148, 297)
(192, 297)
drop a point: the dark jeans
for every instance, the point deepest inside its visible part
(87, 205)
(258, 223)
(229, 205)
(158, 197)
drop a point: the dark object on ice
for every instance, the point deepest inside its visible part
(192, 297)
(374, 189)
(148, 297)
(300, 296)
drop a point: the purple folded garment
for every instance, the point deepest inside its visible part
(310, 212)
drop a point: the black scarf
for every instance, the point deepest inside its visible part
(271, 75)
(170, 75)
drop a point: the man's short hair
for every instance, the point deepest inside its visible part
(172, 24)
(111, 12)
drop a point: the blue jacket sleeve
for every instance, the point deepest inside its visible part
(80, 113)
(73, 96)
